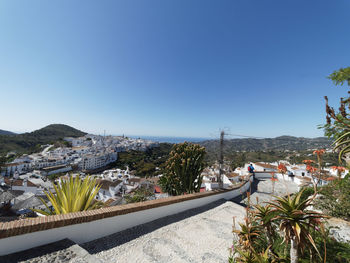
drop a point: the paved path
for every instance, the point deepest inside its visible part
(198, 235)
(61, 251)
(262, 191)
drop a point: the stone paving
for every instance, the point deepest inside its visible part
(263, 190)
(198, 235)
(61, 251)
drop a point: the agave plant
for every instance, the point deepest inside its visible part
(342, 144)
(72, 195)
(247, 234)
(266, 215)
(296, 222)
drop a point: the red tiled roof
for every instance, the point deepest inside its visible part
(266, 165)
(331, 178)
(158, 190)
(18, 182)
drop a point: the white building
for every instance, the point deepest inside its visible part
(108, 189)
(263, 167)
(10, 168)
(22, 185)
(92, 162)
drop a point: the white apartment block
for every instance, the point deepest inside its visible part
(92, 162)
(10, 169)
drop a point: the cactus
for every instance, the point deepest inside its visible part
(183, 169)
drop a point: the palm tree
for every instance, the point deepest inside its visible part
(296, 221)
(72, 195)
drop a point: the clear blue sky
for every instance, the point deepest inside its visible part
(171, 68)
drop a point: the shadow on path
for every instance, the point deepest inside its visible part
(59, 250)
(127, 235)
(254, 188)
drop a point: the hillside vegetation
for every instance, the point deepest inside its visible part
(278, 144)
(3, 132)
(30, 142)
(145, 163)
(281, 143)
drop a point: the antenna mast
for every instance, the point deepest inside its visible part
(221, 159)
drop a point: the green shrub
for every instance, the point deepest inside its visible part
(335, 199)
(306, 192)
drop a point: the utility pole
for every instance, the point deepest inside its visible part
(221, 159)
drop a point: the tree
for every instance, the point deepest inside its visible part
(237, 160)
(72, 195)
(183, 169)
(2, 162)
(140, 195)
(338, 122)
(296, 222)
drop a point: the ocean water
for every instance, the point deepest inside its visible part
(171, 139)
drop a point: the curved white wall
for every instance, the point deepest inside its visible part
(84, 232)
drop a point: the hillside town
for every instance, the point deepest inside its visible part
(85, 154)
(25, 180)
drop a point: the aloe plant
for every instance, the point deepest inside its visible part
(265, 215)
(72, 195)
(296, 222)
(342, 144)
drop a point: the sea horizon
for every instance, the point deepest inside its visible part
(169, 139)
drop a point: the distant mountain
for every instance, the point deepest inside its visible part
(30, 142)
(281, 143)
(3, 132)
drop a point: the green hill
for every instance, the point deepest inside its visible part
(265, 148)
(281, 143)
(3, 132)
(30, 142)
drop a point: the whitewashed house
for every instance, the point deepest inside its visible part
(21, 185)
(9, 169)
(264, 167)
(108, 189)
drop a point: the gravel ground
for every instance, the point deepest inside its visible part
(61, 251)
(198, 235)
(262, 189)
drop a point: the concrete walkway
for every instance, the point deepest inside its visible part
(198, 235)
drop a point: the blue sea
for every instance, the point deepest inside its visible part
(171, 139)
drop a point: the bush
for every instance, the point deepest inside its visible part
(140, 195)
(335, 201)
(306, 192)
(267, 234)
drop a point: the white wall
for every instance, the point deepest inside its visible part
(81, 233)
(262, 175)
